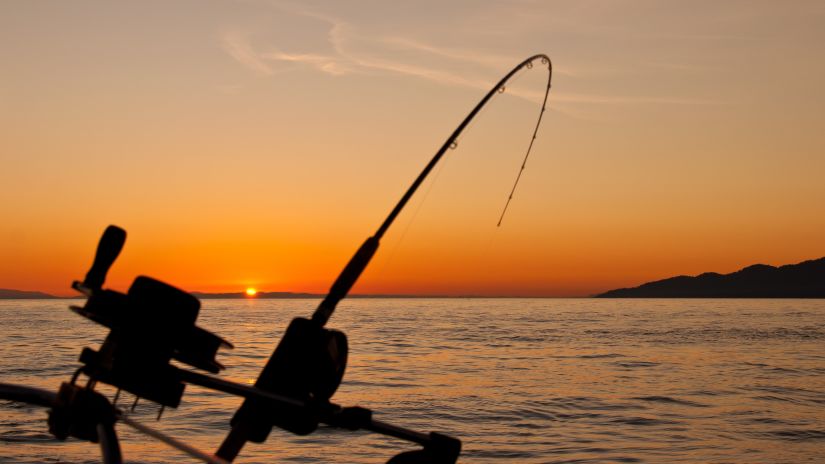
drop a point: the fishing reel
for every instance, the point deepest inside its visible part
(308, 365)
(151, 324)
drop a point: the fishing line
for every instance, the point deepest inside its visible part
(412, 218)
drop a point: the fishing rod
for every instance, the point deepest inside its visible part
(306, 341)
(154, 323)
(349, 275)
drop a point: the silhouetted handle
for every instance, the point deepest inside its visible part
(107, 251)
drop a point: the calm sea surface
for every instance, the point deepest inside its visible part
(518, 380)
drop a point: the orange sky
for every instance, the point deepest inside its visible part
(257, 143)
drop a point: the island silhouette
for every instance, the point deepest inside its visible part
(802, 280)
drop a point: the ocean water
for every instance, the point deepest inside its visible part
(518, 380)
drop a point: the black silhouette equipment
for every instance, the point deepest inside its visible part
(154, 323)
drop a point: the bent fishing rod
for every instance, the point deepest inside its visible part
(349, 275)
(306, 341)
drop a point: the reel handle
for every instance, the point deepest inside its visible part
(108, 249)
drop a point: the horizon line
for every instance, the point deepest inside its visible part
(35, 294)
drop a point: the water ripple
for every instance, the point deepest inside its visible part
(528, 381)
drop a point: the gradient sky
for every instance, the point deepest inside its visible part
(257, 143)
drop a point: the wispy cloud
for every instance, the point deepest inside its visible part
(325, 63)
(623, 100)
(351, 49)
(494, 61)
(354, 51)
(238, 47)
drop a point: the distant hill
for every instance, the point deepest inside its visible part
(7, 294)
(803, 280)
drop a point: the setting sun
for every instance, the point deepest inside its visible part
(251, 292)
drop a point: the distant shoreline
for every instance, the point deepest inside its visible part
(801, 280)
(27, 295)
